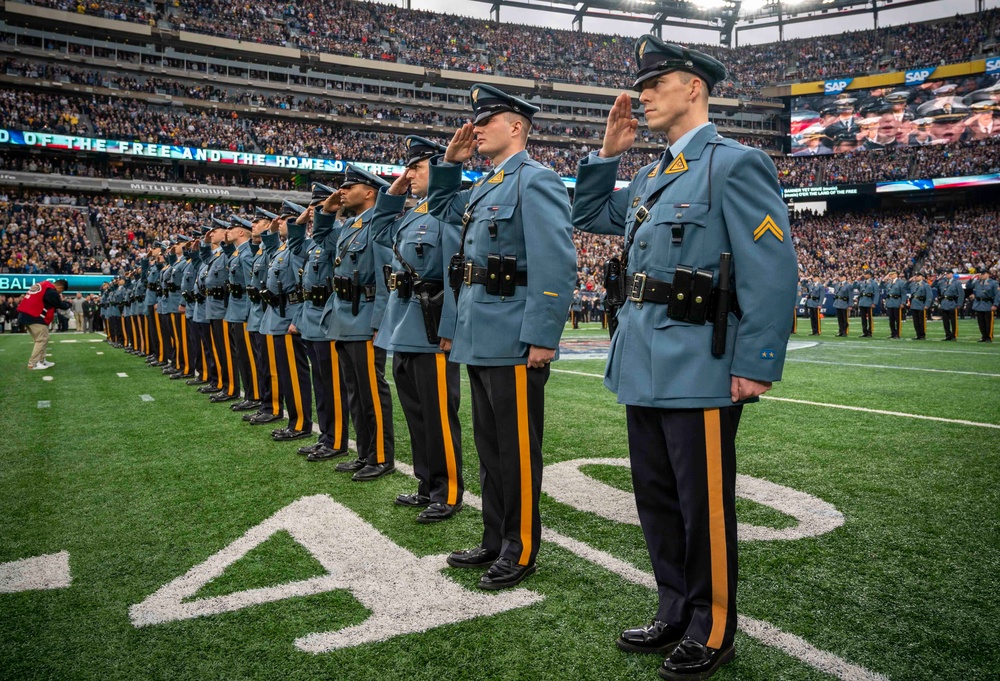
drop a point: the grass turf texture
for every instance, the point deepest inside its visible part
(139, 492)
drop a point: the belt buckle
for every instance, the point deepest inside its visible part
(641, 214)
(393, 282)
(468, 274)
(638, 287)
(466, 218)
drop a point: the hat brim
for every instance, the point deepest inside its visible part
(655, 72)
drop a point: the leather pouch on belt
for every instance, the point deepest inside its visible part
(701, 294)
(680, 290)
(493, 274)
(509, 270)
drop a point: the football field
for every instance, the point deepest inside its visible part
(148, 534)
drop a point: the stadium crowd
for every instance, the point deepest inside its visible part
(969, 240)
(45, 237)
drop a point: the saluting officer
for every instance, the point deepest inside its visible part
(952, 296)
(177, 304)
(576, 308)
(152, 332)
(814, 303)
(283, 295)
(708, 200)
(190, 293)
(266, 244)
(867, 299)
(895, 293)
(921, 298)
(418, 326)
(352, 318)
(843, 291)
(518, 270)
(217, 300)
(986, 294)
(166, 307)
(209, 242)
(328, 383)
(238, 311)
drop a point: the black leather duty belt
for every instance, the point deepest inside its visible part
(646, 289)
(479, 275)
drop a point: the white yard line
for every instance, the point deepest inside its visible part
(898, 348)
(887, 366)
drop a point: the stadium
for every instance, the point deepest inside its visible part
(149, 532)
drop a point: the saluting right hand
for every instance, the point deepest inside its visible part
(462, 144)
(401, 186)
(619, 136)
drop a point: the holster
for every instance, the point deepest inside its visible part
(456, 268)
(430, 295)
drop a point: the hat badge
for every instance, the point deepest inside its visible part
(642, 48)
(947, 107)
(408, 143)
(475, 95)
(689, 63)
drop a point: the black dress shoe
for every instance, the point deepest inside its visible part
(223, 397)
(325, 453)
(207, 389)
(351, 466)
(473, 558)
(195, 381)
(373, 472)
(414, 500)
(657, 637)
(288, 434)
(309, 449)
(437, 512)
(157, 364)
(263, 419)
(178, 376)
(245, 405)
(692, 661)
(504, 573)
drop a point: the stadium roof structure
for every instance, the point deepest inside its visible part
(723, 15)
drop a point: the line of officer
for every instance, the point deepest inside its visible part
(867, 299)
(215, 285)
(166, 306)
(352, 317)
(152, 330)
(814, 303)
(211, 238)
(895, 296)
(843, 291)
(238, 271)
(684, 383)
(265, 243)
(515, 272)
(328, 384)
(986, 298)
(951, 293)
(418, 326)
(176, 307)
(190, 293)
(921, 299)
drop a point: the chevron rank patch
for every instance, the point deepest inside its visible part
(496, 179)
(422, 208)
(768, 225)
(357, 224)
(678, 166)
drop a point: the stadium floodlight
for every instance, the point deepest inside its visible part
(753, 5)
(709, 4)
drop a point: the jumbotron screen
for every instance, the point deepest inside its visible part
(929, 113)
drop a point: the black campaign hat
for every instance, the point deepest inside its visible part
(418, 148)
(488, 101)
(356, 175)
(655, 58)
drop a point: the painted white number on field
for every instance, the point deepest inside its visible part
(566, 483)
(404, 593)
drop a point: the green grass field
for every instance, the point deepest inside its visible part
(140, 492)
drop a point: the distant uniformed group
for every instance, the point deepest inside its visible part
(947, 294)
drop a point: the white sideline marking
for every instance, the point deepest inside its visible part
(44, 404)
(883, 412)
(883, 348)
(48, 354)
(100, 353)
(404, 594)
(567, 484)
(146, 398)
(46, 378)
(766, 633)
(69, 341)
(30, 574)
(837, 406)
(95, 340)
(886, 366)
(121, 375)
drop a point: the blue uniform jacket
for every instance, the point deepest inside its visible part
(318, 271)
(868, 293)
(172, 299)
(215, 277)
(529, 206)
(842, 295)
(200, 308)
(258, 276)
(189, 284)
(355, 248)
(817, 296)
(238, 274)
(725, 198)
(151, 278)
(987, 295)
(283, 276)
(895, 294)
(922, 295)
(952, 294)
(427, 245)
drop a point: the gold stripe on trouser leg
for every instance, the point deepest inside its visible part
(441, 364)
(215, 355)
(251, 357)
(524, 450)
(204, 362)
(272, 362)
(177, 339)
(184, 342)
(954, 326)
(159, 337)
(338, 409)
(377, 402)
(991, 324)
(229, 357)
(144, 325)
(716, 528)
(294, 374)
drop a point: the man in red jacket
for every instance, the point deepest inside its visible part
(35, 314)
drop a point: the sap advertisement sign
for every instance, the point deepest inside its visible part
(832, 87)
(917, 76)
(993, 65)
